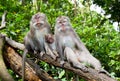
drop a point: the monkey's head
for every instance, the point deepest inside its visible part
(38, 20)
(49, 38)
(62, 23)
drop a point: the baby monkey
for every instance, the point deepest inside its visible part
(50, 41)
(35, 39)
(69, 45)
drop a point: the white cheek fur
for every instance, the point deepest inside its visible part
(59, 29)
(34, 25)
(42, 22)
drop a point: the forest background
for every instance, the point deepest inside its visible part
(95, 30)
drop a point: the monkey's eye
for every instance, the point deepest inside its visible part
(35, 16)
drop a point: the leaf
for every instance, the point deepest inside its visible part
(61, 74)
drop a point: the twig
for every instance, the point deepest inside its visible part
(14, 43)
(3, 23)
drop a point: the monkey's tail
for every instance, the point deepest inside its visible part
(23, 63)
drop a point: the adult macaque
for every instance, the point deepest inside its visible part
(35, 38)
(68, 43)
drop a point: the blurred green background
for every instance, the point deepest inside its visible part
(96, 30)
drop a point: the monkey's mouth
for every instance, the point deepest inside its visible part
(63, 27)
(38, 24)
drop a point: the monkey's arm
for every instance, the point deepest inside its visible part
(59, 47)
(49, 51)
(78, 42)
(28, 42)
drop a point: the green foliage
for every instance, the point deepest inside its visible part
(61, 74)
(111, 7)
(100, 39)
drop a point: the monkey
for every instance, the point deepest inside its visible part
(68, 44)
(35, 38)
(50, 40)
(68, 52)
(80, 57)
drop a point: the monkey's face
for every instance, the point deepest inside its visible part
(62, 23)
(38, 20)
(49, 38)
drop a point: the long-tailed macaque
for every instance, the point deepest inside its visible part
(35, 39)
(68, 44)
(50, 46)
(50, 39)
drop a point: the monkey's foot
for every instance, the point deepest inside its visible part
(62, 63)
(37, 60)
(42, 53)
(56, 54)
(82, 67)
(35, 52)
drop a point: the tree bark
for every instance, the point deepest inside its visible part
(31, 74)
(4, 75)
(92, 75)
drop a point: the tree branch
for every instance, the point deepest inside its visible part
(31, 73)
(4, 75)
(3, 23)
(92, 75)
(14, 43)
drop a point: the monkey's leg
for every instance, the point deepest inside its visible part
(23, 63)
(88, 58)
(72, 58)
(79, 65)
(92, 61)
(97, 65)
(49, 52)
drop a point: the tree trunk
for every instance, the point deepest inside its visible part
(4, 75)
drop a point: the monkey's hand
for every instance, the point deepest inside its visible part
(81, 67)
(35, 52)
(62, 62)
(42, 53)
(55, 53)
